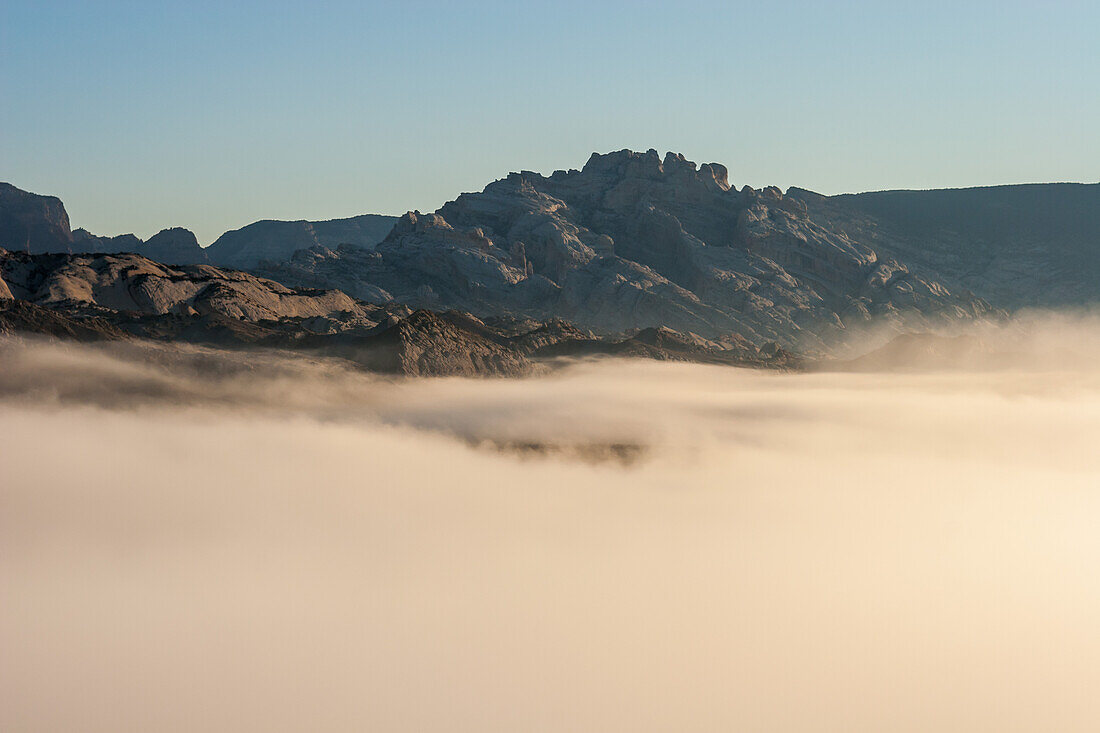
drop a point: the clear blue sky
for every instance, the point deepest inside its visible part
(210, 115)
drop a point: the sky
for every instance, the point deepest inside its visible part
(211, 115)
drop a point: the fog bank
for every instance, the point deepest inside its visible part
(192, 540)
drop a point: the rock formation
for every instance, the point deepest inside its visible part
(632, 243)
(32, 223)
(636, 241)
(175, 246)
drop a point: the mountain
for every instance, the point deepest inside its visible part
(37, 224)
(636, 241)
(176, 246)
(32, 223)
(96, 296)
(276, 240)
(1033, 245)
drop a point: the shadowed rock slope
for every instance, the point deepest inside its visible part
(1032, 245)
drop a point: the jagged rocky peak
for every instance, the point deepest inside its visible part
(610, 169)
(415, 222)
(624, 164)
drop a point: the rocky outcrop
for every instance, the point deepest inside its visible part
(432, 344)
(635, 241)
(276, 241)
(175, 246)
(32, 223)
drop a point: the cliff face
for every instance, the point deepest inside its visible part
(636, 241)
(39, 224)
(32, 223)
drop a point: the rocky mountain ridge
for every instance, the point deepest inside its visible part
(634, 241)
(101, 296)
(39, 224)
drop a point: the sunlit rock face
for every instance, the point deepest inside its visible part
(632, 241)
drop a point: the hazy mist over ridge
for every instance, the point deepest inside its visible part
(201, 540)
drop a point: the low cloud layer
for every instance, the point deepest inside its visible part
(192, 540)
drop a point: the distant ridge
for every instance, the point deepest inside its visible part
(638, 240)
(1024, 245)
(35, 224)
(271, 240)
